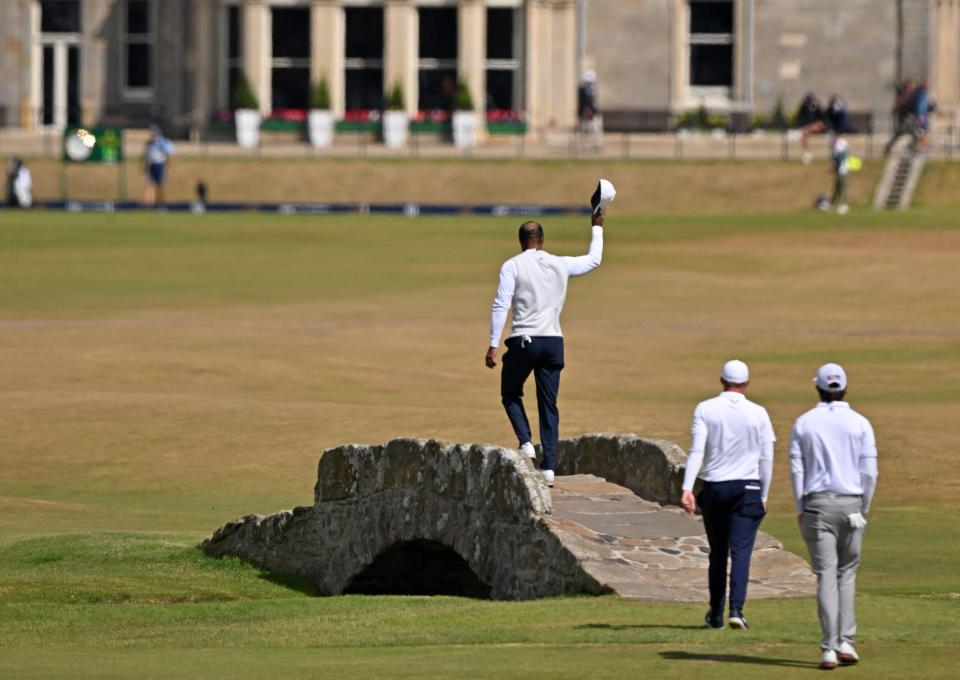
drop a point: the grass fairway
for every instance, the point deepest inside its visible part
(165, 373)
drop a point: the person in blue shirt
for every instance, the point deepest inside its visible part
(920, 105)
(156, 155)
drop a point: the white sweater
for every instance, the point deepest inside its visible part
(534, 283)
(732, 439)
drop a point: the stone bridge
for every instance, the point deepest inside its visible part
(422, 517)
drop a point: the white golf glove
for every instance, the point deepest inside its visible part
(857, 520)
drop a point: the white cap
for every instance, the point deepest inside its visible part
(831, 378)
(589, 76)
(603, 196)
(735, 372)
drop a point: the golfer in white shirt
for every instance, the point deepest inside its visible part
(534, 285)
(732, 451)
(833, 469)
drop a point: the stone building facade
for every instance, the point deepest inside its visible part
(177, 61)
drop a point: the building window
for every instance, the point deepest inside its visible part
(364, 58)
(711, 46)
(290, 62)
(438, 58)
(233, 53)
(60, 16)
(138, 38)
(504, 48)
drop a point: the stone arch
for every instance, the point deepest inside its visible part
(487, 510)
(418, 567)
(485, 503)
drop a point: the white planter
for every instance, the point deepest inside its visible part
(247, 122)
(395, 129)
(464, 129)
(320, 128)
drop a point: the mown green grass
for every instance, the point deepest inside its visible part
(163, 374)
(115, 604)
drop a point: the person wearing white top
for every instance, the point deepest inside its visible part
(19, 185)
(534, 285)
(840, 164)
(833, 470)
(732, 451)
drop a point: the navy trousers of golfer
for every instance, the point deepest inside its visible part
(732, 512)
(543, 356)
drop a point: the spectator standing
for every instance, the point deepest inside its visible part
(19, 185)
(921, 108)
(732, 451)
(811, 120)
(156, 156)
(588, 113)
(903, 117)
(833, 470)
(840, 166)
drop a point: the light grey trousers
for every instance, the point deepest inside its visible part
(835, 553)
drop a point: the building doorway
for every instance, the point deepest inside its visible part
(57, 64)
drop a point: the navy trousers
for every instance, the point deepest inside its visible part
(543, 356)
(732, 512)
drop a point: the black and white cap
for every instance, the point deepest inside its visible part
(603, 196)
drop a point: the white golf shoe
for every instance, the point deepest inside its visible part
(528, 450)
(828, 660)
(843, 209)
(846, 654)
(548, 477)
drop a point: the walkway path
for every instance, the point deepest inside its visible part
(643, 550)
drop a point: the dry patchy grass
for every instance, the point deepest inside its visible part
(645, 186)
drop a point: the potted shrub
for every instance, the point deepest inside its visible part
(464, 118)
(246, 114)
(395, 121)
(320, 119)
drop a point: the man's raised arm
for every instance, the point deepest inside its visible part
(578, 266)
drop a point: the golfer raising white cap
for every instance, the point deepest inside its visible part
(732, 451)
(833, 467)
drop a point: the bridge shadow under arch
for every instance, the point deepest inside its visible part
(419, 567)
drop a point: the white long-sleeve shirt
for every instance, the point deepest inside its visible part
(534, 283)
(732, 438)
(833, 450)
(23, 188)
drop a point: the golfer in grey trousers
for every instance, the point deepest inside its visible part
(833, 469)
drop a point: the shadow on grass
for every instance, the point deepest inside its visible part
(289, 582)
(736, 658)
(634, 626)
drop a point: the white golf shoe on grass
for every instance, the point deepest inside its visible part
(846, 654)
(828, 660)
(528, 450)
